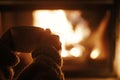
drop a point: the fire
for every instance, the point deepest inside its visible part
(97, 41)
(57, 21)
(76, 52)
(95, 53)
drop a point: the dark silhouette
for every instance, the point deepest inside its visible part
(44, 47)
(7, 61)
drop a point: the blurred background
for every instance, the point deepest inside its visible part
(89, 32)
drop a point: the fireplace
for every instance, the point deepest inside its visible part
(85, 39)
(86, 30)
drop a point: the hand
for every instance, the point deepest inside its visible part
(51, 40)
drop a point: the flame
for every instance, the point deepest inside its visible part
(95, 53)
(97, 39)
(76, 51)
(58, 23)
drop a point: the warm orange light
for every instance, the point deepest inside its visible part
(97, 39)
(58, 23)
(75, 52)
(65, 53)
(95, 53)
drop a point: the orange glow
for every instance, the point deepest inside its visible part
(95, 53)
(75, 52)
(58, 23)
(97, 41)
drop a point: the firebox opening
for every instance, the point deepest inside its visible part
(85, 39)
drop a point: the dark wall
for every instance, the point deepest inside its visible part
(14, 18)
